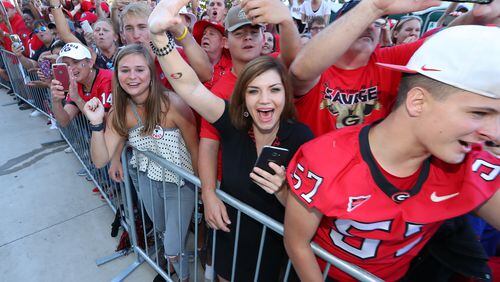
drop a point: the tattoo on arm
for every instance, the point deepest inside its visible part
(176, 75)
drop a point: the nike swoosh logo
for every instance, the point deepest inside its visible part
(436, 199)
(424, 68)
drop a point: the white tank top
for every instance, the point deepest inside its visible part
(164, 142)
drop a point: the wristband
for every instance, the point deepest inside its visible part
(184, 34)
(163, 51)
(97, 127)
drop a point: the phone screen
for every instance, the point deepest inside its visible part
(61, 74)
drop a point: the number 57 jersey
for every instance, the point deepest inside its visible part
(369, 222)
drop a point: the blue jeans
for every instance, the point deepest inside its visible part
(161, 201)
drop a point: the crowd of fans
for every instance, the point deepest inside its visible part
(392, 134)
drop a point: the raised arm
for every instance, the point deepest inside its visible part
(483, 14)
(180, 75)
(324, 49)
(276, 12)
(103, 144)
(61, 24)
(197, 57)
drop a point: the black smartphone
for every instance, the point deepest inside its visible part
(471, 1)
(273, 154)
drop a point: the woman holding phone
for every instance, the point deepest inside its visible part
(260, 113)
(152, 119)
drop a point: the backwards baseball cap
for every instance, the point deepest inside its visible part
(462, 56)
(236, 18)
(200, 26)
(74, 51)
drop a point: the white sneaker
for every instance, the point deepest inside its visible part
(209, 272)
(53, 124)
(35, 113)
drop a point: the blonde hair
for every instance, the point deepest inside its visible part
(137, 9)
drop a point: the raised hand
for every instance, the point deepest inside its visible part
(487, 14)
(266, 11)
(270, 183)
(390, 7)
(94, 111)
(165, 15)
(57, 91)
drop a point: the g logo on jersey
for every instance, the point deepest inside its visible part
(350, 108)
(400, 196)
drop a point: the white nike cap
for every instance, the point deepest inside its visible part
(467, 57)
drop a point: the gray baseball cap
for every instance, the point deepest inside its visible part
(236, 18)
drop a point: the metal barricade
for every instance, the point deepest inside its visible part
(77, 134)
(38, 98)
(119, 196)
(148, 248)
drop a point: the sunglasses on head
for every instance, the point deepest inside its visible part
(40, 29)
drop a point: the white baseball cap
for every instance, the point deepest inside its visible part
(467, 57)
(75, 51)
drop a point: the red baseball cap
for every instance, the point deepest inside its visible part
(105, 7)
(8, 5)
(88, 16)
(87, 6)
(200, 26)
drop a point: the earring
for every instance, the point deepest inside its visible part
(246, 114)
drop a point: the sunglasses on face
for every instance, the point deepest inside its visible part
(40, 29)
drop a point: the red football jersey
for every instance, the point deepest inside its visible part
(369, 222)
(101, 89)
(350, 97)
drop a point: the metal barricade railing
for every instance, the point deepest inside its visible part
(77, 136)
(151, 252)
(119, 196)
(38, 98)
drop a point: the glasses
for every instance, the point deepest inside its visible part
(379, 23)
(40, 29)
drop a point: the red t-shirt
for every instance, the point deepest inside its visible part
(369, 222)
(101, 89)
(350, 97)
(223, 65)
(34, 43)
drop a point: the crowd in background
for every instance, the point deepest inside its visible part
(209, 85)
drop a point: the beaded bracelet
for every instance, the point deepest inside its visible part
(160, 52)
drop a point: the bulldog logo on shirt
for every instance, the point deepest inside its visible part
(350, 108)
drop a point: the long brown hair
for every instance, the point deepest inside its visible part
(154, 102)
(252, 70)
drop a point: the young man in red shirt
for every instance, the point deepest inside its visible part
(244, 42)
(374, 195)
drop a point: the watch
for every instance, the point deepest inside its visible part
(97, 127)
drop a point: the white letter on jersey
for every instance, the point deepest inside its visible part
(369, 247)
(299, 181)
(495, 169)
(319, 180)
